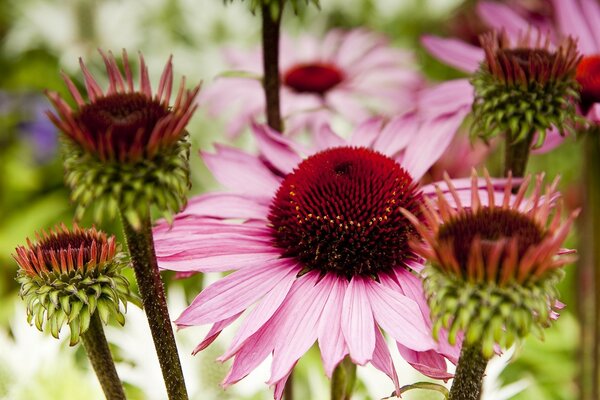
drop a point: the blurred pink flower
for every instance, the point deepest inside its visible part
(322, 253)
(355, 74)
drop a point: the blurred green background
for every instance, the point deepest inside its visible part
(39, 38)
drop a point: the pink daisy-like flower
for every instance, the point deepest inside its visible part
(447, 105)
(322, 254)
(354, 73)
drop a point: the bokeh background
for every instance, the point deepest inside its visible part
(39, 38)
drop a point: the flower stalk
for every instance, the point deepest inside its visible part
(99, 354)
(343, 379)
(516, 155)
(143, 258)
(468, 379)
(271, 23)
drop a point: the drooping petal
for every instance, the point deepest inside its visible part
(382, 359)
(454, 52)
(429, 363)
(357, 322)
(331, 339)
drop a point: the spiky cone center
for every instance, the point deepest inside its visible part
(588, 76)
(317, 77)
(339, 212)
(493, 267)
(68, 275)
(525, 89)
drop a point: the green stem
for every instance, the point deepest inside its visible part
(271, 81)
(143, 258)
(342, 381)
(98, 352)
(516, 155)
(468, 378)
(588, 270)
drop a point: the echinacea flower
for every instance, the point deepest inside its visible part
(67, 275)
(322, 253)
(126, 149)
(493, 268)
(355, 74)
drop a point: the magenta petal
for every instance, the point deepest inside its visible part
(400, 317)
(591, 10)
(429, 363)
(218, 263)
(277, 149)
(214, 332)
(297, 331)
(499, 16)
(382, 359)
(254, 351)
(357, 322)
(454, 52)
(280, 386)
(226, 206)
(331, 339)
(234, 293)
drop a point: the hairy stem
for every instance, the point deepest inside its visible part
(271, 81)
(342, 381)
(98, 352)
(143, 258)
(468, 378)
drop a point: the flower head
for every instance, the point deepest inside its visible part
(69, 274)
(525, 87)
(321, 255)
(126, 148)
(493, 268)
(355, 74)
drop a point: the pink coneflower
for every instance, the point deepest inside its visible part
(456, 97)
(494, 267)
(321, 256)
(354, 73)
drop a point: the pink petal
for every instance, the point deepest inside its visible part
(214, 332)
(366, 132)
(331, 339)
(400, 316)
(297, 331)
(277, 149)
(234, 293)
(445, 98)
(326, 138)
(254, 351)
(241, 172)
(454, 52)
(280, 386)
(218, 263)
(500, 16)
(226, 206)
(571, 21)
(591, 10)
(429, 363)
(412, 287)
(357, 322)
(397, 134)
(382, 359)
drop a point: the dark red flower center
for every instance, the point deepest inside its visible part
(121, 120)
(490, 226)
(313, 78)
(339, 211)
(588, 76)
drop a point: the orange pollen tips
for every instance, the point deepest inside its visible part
(63, 251)
(339, 211)
(316, 78)
(588, 76)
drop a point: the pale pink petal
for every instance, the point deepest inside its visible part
(594, 113)
(260, 315)
(226, 206)
(397, 134)
(553, 140)
(214, 333)
(433, 139)
(412, 287)
(357, 322)
(220, 263)
(366, 132)
(501, 17)
(326, 138)
(347, 105)
(277, 149)
(280, 386)
(591, 12)
(254, 351)
(399, 316)
(454, 52)
(331, 339)
(297, 331)
(429, 363)
(382, 359)
(572, 22)
(234, 293)
(445, 98)
(241, 172)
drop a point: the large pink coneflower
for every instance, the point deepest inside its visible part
(354, 73)
(322, 253)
